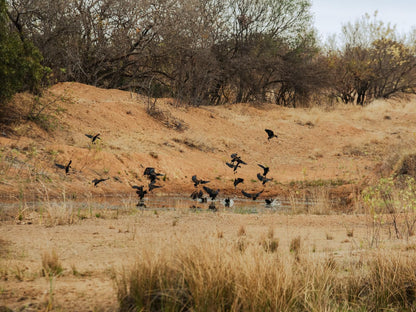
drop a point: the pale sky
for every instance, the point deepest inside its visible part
(330, 15)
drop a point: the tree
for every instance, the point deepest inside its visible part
(20, 65)
(373, 62)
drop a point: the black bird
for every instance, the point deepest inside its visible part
(198, 181)
(272, 202)
(212, 207)
(238, 181)
(234, 156)
(151, 174)
(251, 195)
(60, 166)
(268, 201)
(152, 185)
(212, 193)
(236, 159)
(67, 167)
(237, 164)
(93, 137)
(141, 204)
(228, 202)
(96, 181)
(263, 178)
(265, 169)
(149, 170)
(199, 196)
(229, 165)
(270, 134)
(140, 191)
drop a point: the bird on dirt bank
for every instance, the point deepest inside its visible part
(238, 181)
(253, 196)
(270, 134)
(263, 179)
(96, 181)
(211, 193)
(93, 137)
(265, 169)
(198, 181)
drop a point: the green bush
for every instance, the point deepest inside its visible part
(20, 65)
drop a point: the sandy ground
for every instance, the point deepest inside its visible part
(98, 248)
(341, 148)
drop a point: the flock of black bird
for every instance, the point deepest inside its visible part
(154, 177)
(234, 163)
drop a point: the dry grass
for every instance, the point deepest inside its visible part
(51, 265)
(217, 277)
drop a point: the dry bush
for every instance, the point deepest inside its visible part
(406, 165)
(58, 214)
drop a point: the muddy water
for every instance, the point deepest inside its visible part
(237, 205)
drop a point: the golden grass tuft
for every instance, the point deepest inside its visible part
(241, 231)
(51, 265)
(217, 277)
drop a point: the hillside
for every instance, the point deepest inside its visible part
(343, 146)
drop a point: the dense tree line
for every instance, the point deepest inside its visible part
(209, 52)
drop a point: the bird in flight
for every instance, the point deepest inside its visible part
(140, 191)
(253, 196)
(263, 178)
(93, 137)
(212, 193)
(198, 181)
(68, 166)
(65, 167)
(151, 174)
(265, 169)
(153, 186)
(96, 181)
(270, 134)
(238, 181)
(236, 161)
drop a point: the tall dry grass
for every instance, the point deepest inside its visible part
(217, 277)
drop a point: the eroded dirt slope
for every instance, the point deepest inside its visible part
(339, 145)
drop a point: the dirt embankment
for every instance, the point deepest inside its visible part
(341, 146)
